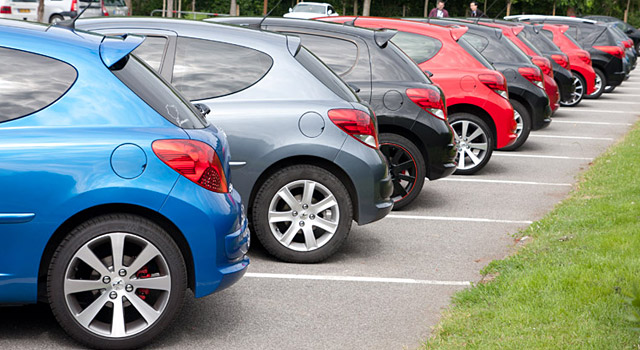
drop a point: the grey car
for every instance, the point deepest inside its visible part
(304, 150)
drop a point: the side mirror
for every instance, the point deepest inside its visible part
(330, 12)
(629, 31)
(203, 108)
(290, 10)
(428, 73)
(353, 87)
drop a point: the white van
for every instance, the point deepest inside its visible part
(59, 10)
(26, 10)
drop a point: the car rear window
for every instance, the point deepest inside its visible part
(538, 40)
(30, 82)
(502, 50)
(475, 53)
(157, 93)
(420, 48)
(325, 75)
(339, 54)
(391, 64)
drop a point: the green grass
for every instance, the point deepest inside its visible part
(567, 288)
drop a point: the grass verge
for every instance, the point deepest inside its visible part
(566, 288)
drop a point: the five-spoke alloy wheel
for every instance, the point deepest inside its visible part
(601, 83)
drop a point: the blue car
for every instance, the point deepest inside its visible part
(115, 194)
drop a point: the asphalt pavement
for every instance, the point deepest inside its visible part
(389, 284)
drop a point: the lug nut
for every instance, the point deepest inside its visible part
(129, 288)
(106, 279)
(122, 272)
(295, 213)
(113, 295)
(312, 216)
(305, 206)
(301, 224)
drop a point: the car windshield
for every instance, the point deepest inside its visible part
(310, 8)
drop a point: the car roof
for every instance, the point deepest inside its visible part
(395, 21)
(550, 18)
(462, 22)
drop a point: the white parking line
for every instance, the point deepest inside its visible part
(556, 121)
(591, 110)
(616, 102)
(573, 137)
(508, 182)
(453, 218)
(355, 279)
(520, 155)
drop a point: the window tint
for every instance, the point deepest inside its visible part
(502, 50)
(391, 64)
(604, 39)
(473, 52)
(420, 48)
(547, 33)
(152, 50)
(572, 32)
(340, 55)
(538, 40)
(325, 75)
(30, 82)
(207, 69)
(157, 93)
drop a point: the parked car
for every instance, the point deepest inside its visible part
(477, 99)
(597, 39)
(412, 117)
(59, 10)
(628, 29)
(305, 152)
(116, 7)
(26, 10)
(308, 10)
(114, 203)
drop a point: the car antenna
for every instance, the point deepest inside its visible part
(352, 23)
(259, 25)
(71, 23)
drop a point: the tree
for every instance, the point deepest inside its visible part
(40, 10)
(366, 8)
(232, 11)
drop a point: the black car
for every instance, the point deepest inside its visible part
(415, 137)
(528, 97)
(627, 28)
(599, 40)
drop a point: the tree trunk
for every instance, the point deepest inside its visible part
(129, 5)
(193, 8)
(169, 8)
(232, 10)
(179, 15)
(509, 8)
(426, 8)
(366, 7)
(41, 11)
(355, 7)
(485, 8)
(554, 7)
(265, 7)
(626, 12)
(404, 10)
(164, 8)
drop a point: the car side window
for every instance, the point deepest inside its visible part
(573, 32)
(479, 43)
(547, 33)
(420, 48)
(32, 83)
(152, 50)
(207, 69)
(339, 54)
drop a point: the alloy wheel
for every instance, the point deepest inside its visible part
(402, 167)
(303, 215)
(472, 143)
(519, 123)
(598, 85)
(577, 94)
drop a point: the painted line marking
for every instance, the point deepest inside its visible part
(505, 154)
(573, 137)
(590, 110)
(617, 102)
(509, 182)
(453, 218)
(590, 123)
(355, 279)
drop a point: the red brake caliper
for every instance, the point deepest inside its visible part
(143, 292)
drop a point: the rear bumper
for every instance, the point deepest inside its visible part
(439, 144)
(566, 87)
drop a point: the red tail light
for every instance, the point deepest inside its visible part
(584, 56)
(74, 5)
(616, 51)
(104, 10)
(5, 10)
(544, 64)
(627, 44)
(195, 160)
(495, 82)
(357, 124)
(562, 60)
(429, 100)
(533, 75)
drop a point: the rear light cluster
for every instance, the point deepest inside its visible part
(429, 100)
(357, 124)
(627, 44)
(5, 10)
(616, 51)
(533, 75)
(584, 56)
(495, 82)
(74, 5)
(195, 160)
(544, 64)
(562, 60)
(104, 10)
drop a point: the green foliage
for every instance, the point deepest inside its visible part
(634, 304)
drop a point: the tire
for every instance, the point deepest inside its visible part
(157, 284)
(483, 145)
(55, 19)
(609, 89)
(406, 166)
(524, 126)
(289, 229)
(601, 83)
(579, 92)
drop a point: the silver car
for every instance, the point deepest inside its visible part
(304, 150)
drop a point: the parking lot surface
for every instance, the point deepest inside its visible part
(388, 285)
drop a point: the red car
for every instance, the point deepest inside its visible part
(476, 94)
(579, 60)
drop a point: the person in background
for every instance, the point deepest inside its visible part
(475, 11)
(439, 10)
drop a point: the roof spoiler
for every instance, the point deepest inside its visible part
(293, 44)
(114, 48)
(383, 36)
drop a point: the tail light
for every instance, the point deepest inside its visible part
(495, 82)
(195, 160)
(544, 64)
(616, 51)
(74, 5)
(562, 60)
(627, 44)
(104, 10)
(533, 75)
(584, 56)
(5, 10)
(357, 124)
(430, 100)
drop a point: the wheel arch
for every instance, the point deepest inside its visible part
(406, 133)
(105, 209)
(477, 111)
